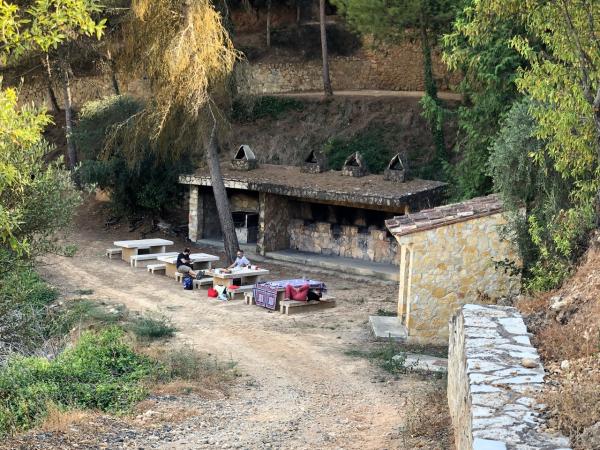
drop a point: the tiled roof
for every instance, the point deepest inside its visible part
(428, 219)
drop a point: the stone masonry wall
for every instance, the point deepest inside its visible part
(273, 221)
(320, 238)
(494, 374)
(390, 67)
(454, 265)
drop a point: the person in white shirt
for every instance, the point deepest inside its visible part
(241, 261)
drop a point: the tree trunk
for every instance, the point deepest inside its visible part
(51, 95)
(71, 150)
(326, 80)
(297, 13)
(268, 23)
(230, 240)
(113, 73)
(437, 130)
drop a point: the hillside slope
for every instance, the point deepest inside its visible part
(566, 328)
(289, 137)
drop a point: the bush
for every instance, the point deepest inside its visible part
(151, 185)
(369, 143)
(551, 234)
(24, 300)
(251, 109)
(100, 372)
(150, 327)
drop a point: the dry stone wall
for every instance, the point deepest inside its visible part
(390, 67)
(320, 237)
(494, 374)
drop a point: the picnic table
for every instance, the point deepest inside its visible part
(247, 275)
(199, 261)
(131, 248)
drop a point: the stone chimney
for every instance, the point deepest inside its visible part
(244, 159)
(396, 170)
(355, 166)
(316, 162)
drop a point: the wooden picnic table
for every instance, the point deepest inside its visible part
(248, 276)
(199, 261)
(130, 248)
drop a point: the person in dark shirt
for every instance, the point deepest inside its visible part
(184, 264)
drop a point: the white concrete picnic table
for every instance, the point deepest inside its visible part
(132, 247)
(247, 275)
(199, 261)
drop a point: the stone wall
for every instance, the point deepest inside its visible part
(273, 221)
(452, 265)
(494, 374)
(392, 67)
(345, 240)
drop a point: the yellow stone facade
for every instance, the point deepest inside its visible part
(443, 268)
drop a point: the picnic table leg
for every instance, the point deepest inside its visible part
(170, 270)
(157, 249)
(253, 279)
(126, 253)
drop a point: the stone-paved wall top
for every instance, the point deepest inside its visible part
(494, 375)
(428, 219)
(371, 190)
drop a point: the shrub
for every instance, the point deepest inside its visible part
(151, 185)
(369, 143)
(100, 372)
(186, 363)
(250, 109)
(551, 234)
(150, 327)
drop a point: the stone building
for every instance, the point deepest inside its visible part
(447, 258)
(317, 212)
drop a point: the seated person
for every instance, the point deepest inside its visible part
(240, 262)
(184, 264)
(300, 293)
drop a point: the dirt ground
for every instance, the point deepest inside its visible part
(298, 388)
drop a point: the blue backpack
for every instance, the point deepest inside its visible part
(188, 284)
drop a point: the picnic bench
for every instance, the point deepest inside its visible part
(288, 307)
(133, 247)
(239, 291)
(155, 267)
(199, 261)
(133, 259)
(110, 252)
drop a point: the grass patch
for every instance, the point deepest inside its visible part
(84, 291)
(150, 327)
(250, 109)
(386, 313)
(101, 372)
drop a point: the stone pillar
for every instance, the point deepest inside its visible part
(273, 223)
(196, 216)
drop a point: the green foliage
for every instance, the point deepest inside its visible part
(255, 108)
(42, 25)
(523, 179)
(370, 144)
(563, 82)
(100, 372)
(150, 185)
(490, 66)
(28, 182)
(151, 327)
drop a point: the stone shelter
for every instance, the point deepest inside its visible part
(447, 258)
(316, 212)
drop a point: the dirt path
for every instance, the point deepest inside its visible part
(299, 389)
(372, 93)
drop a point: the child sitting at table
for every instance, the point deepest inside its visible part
(299, 293)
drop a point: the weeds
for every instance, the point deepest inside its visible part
(385, 312)
(151, 327)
